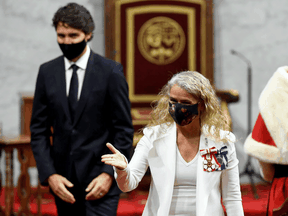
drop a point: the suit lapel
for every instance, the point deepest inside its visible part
(205, 180)
(61, 85)
(88, 83)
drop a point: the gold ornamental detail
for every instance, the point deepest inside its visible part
(161, 40)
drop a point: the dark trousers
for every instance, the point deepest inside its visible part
(106, 206)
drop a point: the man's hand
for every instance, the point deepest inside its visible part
(99, 186)
(58, 185)
(268, 170)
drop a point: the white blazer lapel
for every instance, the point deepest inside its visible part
(205, 180)
(163, 158)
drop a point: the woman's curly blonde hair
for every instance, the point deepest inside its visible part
(200, 88)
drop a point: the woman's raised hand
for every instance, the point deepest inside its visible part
(116, 159)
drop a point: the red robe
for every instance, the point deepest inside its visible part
(268, 141)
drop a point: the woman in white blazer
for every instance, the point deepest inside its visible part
(192, 158)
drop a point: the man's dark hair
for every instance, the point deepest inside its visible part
(76, 16)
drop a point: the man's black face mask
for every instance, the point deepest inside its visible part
(71, 51)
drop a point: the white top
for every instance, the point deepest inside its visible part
(82, 64)
(184, 192)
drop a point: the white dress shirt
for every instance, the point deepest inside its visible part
(82, 65)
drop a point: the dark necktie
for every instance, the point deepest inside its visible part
(73, 92)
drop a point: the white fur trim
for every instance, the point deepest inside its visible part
(273, 103)
(264, 152)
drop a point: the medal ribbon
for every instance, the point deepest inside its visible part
(210, 152)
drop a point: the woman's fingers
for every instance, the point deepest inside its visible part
(113, 160)
(112, 148)
(109, 161)
(116, 159)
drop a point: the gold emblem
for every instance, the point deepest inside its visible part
(161, 40)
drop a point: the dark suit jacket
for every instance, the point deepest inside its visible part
(103, 115)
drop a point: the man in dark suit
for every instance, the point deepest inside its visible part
(81, 100)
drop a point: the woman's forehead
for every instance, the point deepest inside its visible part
(181, 94)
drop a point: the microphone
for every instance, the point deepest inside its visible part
(241, 56)
(249, 79)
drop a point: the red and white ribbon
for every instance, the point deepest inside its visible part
(209, 158)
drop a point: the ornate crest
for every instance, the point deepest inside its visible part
(161, 40)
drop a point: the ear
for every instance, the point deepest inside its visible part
(88, 36)
(201, 106)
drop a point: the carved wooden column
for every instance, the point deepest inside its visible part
(9, 189)
(24, 187)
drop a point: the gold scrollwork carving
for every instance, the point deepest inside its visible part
(161, 40)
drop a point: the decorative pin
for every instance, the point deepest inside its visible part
(210, 162)
(222, 159)
(219, 159)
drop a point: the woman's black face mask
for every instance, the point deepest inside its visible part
(183, 114)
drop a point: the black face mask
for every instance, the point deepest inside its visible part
(183, 114)
(71, 51)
